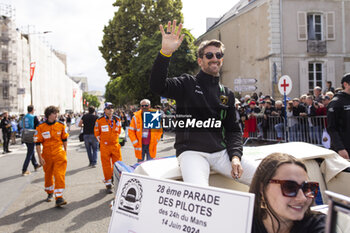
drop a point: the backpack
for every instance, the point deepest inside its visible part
(27, 134)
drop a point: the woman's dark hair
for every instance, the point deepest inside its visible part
(51, 109)
(263, 174)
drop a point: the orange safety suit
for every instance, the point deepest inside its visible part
(135, 135)
(52, 136)
(107, 132)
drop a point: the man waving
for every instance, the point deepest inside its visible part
(209, 137)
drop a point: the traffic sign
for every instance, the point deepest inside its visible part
(285, 85)
(21, 91)
(244, 88)
(244, 81)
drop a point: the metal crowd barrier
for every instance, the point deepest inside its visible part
(273, 128)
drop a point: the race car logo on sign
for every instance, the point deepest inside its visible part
(131, 197)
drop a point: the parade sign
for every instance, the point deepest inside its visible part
(147, 205)
(285, 85)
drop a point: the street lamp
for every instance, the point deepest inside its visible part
(32, 64)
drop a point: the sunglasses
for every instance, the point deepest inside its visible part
(144, 106)
(291, 188)
(109, 107)
(210, 55)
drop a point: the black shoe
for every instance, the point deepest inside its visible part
(49, 197)
(109, 189)
(93, 166)
(8, 151)
(37, 167)
(60, 202)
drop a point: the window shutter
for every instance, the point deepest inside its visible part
(302, 25)
(347, 67)
(330, 72)
(303, 77)
(330, 26)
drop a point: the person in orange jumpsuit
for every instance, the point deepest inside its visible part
(53, 136)
(107, 130)
(144, 140)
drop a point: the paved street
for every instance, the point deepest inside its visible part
(22, 205)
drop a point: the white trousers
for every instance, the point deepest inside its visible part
(195, 166)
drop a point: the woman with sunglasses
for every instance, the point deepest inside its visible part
(283, 196)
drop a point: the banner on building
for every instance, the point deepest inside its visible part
(32, 69)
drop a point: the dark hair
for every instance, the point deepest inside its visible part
(91, 109)
(263, 174)
(51, 109)
(207, 43)
(30, 108)
(329, 82)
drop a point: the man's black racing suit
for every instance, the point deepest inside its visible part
(338, 122)
(199, 98)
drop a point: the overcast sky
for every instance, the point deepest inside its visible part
(77, 26)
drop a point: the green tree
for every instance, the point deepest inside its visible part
(118, 91)
(132, 20)
(92, 99)
(183, 61)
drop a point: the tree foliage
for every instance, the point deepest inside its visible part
(118, 91)
(91, 99)
(183, 61)
(133, 19)
(132, 40)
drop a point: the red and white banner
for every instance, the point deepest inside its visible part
(32, 69)
(74, 92)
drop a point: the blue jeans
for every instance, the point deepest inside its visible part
(91, 145)
(315, 134)
(145, 151)
(293, 133)
(29, 157)
(279, 129)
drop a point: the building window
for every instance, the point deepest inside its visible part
(314, 26)
(4, 56)
(315, 75)
(5, 89)
(4, 68)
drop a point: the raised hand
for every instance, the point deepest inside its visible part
(171, 40)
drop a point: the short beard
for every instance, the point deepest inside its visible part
(208, 71)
